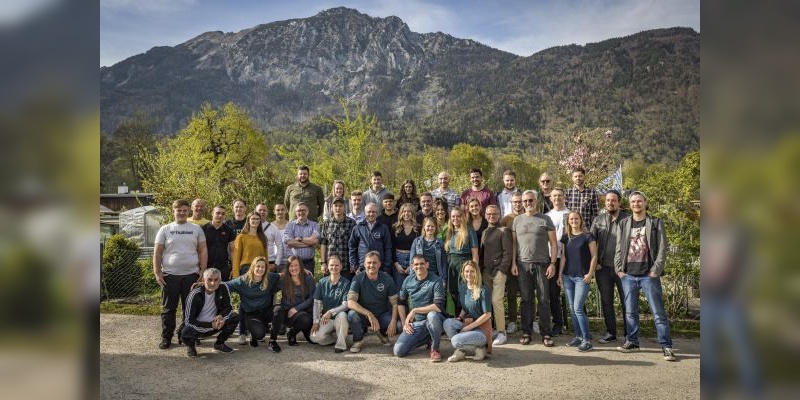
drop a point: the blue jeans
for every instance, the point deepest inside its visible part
(652, 291)
(402, 259)
(463, 340)
(577, 290)
(358, 322)
(429, 330)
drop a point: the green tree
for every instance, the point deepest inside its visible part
(464, 157)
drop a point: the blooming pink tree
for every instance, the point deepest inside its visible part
(595, 150)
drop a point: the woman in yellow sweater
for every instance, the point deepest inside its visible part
(249, 244)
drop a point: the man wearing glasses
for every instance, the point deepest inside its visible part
(546, 185)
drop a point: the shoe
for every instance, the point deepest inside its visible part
(511, 328)
(338, 350)
(607, 338)
(165, 343)
(585, 346)
(501, 339)
(457, 356)
(480, 353)
(197, 342)
(436, 356)
(291, 337)
(628, 347)
(575, 342)
(222, 348)
(525, 339)
(555, 332)
(547, 341)
(357, 346)
(495, 332)
(273, 345)
(669, 355)
(242, 340)
(305, 336)
(253, 343)
(191, 351)
(384, 339)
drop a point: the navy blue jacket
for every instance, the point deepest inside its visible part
(363, 240)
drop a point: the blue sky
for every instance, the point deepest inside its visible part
(522, 27)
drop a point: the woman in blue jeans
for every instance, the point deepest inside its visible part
(578, 263)
(472, 330)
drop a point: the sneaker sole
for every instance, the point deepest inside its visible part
(628, 350)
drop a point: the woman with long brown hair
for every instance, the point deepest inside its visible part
(297, 300)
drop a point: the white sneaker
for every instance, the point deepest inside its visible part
(511, 328)
(356, 347)
(457, 356)
(480, 353)
(243, 340)
(501, 339)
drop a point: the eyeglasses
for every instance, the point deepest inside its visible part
(526, 201)
(545, 181)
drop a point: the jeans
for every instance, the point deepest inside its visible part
(176, 288)
(577, 290)
(652, 291)
(428, 330)
(463, 340)
(532, 276)
(358, 322)
(607, 280)
(334, 331)
(399, 277)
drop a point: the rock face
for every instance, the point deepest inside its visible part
(288, 72)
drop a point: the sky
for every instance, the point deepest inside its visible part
(522, 27)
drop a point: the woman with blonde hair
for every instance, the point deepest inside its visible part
(250, 243)
(337, 190)
(472, 330)
(578, 263)
(257, 289)
(403, 233)
(461, 245)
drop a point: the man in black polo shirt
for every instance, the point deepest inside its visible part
(219, 241)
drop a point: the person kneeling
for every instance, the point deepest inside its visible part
(208, 312)
(472, 330)
(424, 295)
(331, 296)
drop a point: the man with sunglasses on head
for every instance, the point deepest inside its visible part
(545, 185)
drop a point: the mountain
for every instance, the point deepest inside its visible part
(427, 88)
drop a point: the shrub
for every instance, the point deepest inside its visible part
(121, 276)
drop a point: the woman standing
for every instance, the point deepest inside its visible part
(432, 248)
(475, 218)
(295, 309)
(280, 223)
(472, 330)
(331, 296)
(337, 191)
(461, 245)
(578, 263)
(403, 234)
(249, 244)
(257, 289)
(408, 195)
(441, 214)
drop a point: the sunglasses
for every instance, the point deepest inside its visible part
(529, 201)
(545, 181)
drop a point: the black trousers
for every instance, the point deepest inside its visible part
(555, 301)
(257, 321)
(512, 291)
(189, 334)
(607, 279)
(176, 288)
(301, 321)
(532, 277)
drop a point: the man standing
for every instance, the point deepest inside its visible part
(334, 238)
(604, 230)
(535, 264)
(239, 216)
(545, 185)
(425, 207)
(198, 206)
(558, 215)
(209, 311)
(179, 257)
(639, 262)
(444, 191)
(356, 206)
(372, 299)
(423, 295)
(219, 242)
(477, 191)
(512, 283)
(376, 192)
(273, 235)
(303, 191)
(496, 250)
(302, 236)
(509, 189)
(370, 236)
(388, 216)
(581, 198)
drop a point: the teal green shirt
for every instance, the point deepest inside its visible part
(466, 248)
(421, 293)
(474, 308)
(253, 297)
(331, 295)
(373, 295)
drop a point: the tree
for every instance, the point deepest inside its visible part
(596, 150)
(462, 159)
(135, 138)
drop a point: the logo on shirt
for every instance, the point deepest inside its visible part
(376, 235)
(380, 287)
(337, 292)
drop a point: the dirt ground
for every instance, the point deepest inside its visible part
(132, 367)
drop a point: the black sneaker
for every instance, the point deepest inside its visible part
(628, 347)
(291, 337)
(191, 351)
(607, 338)
(253, 343)
(282, 331)
(222, 348)
(338, 350)
(164, 344)
(273, 345)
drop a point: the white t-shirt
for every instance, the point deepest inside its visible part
(558, 220)
(209, 308)
(180, 248)
(274, 242)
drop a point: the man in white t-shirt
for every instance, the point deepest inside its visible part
(558, 215)
(179, 258)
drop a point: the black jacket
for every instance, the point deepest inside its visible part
(196, 301)
(601, 228)
(656, 238)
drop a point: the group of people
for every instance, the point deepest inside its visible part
(413, 266)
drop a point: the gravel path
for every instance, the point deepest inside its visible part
(132, 367)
